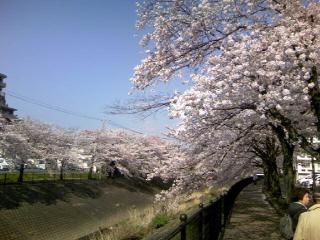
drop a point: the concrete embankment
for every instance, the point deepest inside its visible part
(67, 211)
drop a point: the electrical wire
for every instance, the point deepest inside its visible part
(64, 110)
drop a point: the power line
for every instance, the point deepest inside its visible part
(51, 107)
(66, 111)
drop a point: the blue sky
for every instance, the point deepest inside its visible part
(75, 54)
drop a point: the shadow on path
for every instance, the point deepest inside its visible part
(253, 217)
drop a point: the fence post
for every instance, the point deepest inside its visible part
(211, 220)
(201, 221)
(183, 232)
(5, 179)
(226, 206)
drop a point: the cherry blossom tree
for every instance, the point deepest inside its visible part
(184, 33)
(255, 67)
(58, 148)
(27, 138)
(262, 66)
(115, 151)
(16, 147)
(120, 152)
(92, 144)
(151, 154)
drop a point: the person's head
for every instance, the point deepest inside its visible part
(303, 195)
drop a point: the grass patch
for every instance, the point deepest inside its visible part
(133, 228)
(141, 223)
(193, 200)
(159, 220)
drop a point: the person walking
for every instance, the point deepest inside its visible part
(300, 206)
(308, 226)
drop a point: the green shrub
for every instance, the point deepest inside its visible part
(160, 220)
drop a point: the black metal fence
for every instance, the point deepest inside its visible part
(209, 222)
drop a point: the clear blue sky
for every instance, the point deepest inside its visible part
(76, 54)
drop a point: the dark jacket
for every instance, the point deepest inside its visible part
(295, 209)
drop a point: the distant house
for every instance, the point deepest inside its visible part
(80, 159)
(41, 164)
(304, 164)
(3, 164)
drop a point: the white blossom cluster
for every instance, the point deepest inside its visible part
(185, 32)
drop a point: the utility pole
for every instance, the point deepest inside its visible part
(95, 150)
(103, 126)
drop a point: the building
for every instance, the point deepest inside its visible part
(304, 163)
(3, 164)
(6, 112)
(304, 166)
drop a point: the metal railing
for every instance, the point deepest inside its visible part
(209, 222)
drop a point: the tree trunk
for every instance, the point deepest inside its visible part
(61, 171)
(266, 179)
(289, 173)
(287, 149)
(271, 177)
(268, 153)
(90, 172)
(21, 171)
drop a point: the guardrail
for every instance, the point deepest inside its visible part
(209, 222)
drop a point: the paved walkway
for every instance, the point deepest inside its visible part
(253, 217)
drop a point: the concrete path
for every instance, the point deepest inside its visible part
(253, 217)
(66, 212)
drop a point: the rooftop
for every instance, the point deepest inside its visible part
(2, 76)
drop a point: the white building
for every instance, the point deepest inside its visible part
(304, 166)
(3, 164)
(80, 158)
(41, 164)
